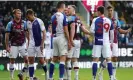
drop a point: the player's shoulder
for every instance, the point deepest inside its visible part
(10, 23)
(96, 18)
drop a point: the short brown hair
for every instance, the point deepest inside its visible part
(15, 10)
(29, 11)
(109, 7)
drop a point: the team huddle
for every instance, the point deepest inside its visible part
(62, 42)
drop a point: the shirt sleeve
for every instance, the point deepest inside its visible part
(92, 28)
(41, 25)
(64, 21)
(112, 27)
(118, 24)
(8, 27)
(25, 26)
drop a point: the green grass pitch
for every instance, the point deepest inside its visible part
(84, 74)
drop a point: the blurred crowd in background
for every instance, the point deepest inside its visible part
(48, 8)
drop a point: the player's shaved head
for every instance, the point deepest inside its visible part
(60, 4)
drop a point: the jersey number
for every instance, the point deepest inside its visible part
(105, 26)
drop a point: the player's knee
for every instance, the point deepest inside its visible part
(31, 60)
(108, 59)
(26, 59)
(12, 60)
(62, 58)
(95, 59)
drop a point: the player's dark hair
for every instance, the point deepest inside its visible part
(60, 4)
(101, 9)
(30, 11)
(109, 7)
(15, 10)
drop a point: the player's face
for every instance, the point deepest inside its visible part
(50, 28)
(70, 10)
(29, 17)
(18, 15)
(110, 12)
(66, 11)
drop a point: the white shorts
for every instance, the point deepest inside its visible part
(60, 46)
(15, 50)
(115, 50)
(34, 51)
(48, 53)
(75, 51)
(105, 50)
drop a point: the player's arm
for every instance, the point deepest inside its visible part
(85, 30)
(7, 34)
(72, 32)
(66, 32)
(92, 28)
(43, 34)
(27, 34)
(111, 33)
(121, 31)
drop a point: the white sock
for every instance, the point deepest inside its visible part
(114, 68)
(76, 69)
(103, 66)
(31, 78)
(61, 79)
(11, 70)
(65, 73)
(69, 69)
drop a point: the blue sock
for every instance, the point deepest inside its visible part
(94, 69)
(51, 70)
(110, 68)
(31, 70)
(61, 69)
(44, 67)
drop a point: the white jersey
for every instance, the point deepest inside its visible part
(48, 40)
(101, 26)
(35, 30)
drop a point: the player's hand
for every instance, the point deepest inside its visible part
(41, 48)
(8, 49)
(69, 46)
(72, 43)
(129, 30)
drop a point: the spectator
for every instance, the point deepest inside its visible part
(7, 18)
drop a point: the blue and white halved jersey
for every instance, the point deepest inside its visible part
(58, 22)
(101, 27)
(35, 30)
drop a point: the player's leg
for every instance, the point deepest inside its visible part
(75, 56)
(31, 56)
(102, 68)
(63, 50)
(107, 54)
(23, 52)
(12, 55)
(67, 74)
(55, 58)
(42, 61)
(114, 59)
(96, 53)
